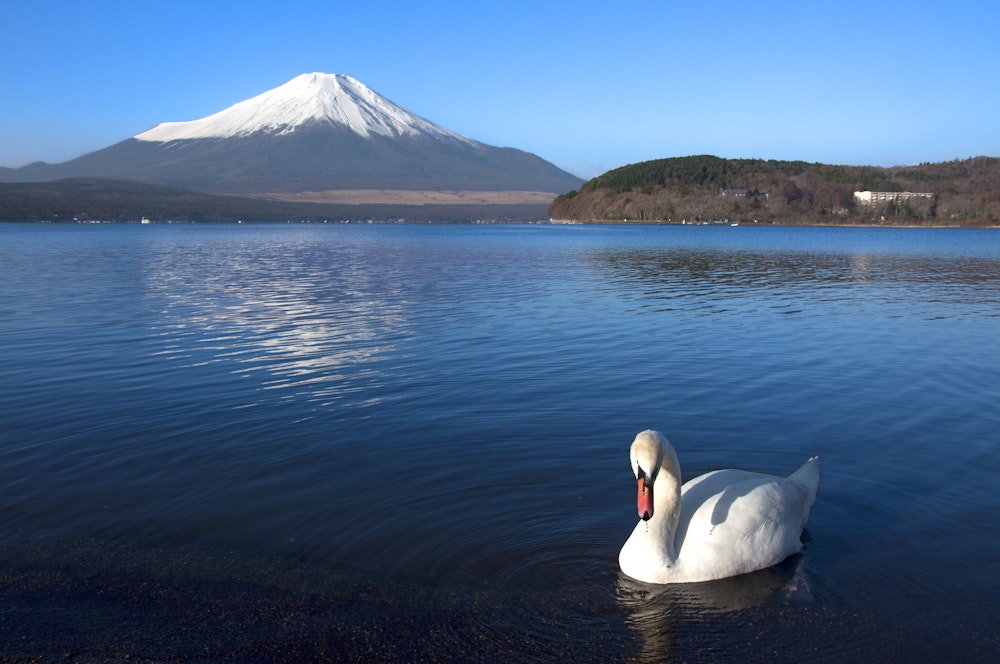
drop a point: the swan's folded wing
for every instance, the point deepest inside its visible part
(738, 522)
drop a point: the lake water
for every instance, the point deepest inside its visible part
(410, 443)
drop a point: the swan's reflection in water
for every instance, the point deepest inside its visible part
(657, 612)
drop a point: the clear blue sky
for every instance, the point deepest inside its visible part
(587, 85)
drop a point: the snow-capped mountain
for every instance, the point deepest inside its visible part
(305, 100)
(317, 132)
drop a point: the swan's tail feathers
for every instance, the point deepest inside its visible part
(808, 476)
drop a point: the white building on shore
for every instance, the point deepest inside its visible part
(882, 197)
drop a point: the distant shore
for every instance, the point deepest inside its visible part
(840, 224)
(705, 188)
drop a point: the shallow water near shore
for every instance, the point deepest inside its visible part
(402, 442)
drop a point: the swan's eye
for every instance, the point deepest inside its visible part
(647, 478)
(641, 474)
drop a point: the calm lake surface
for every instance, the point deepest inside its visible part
(410, 443)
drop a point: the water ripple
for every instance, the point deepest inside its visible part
(405, 440)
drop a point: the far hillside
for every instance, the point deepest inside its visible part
(705, 188)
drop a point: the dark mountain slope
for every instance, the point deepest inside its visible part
(114, 200)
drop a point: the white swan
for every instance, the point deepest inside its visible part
(721, 524)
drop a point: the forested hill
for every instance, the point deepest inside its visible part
(707, 188)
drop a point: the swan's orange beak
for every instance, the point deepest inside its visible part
(645, 499)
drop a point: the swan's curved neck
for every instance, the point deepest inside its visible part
(662, 527)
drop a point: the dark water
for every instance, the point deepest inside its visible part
(399, 443)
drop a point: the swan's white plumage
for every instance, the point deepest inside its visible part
(721, 524)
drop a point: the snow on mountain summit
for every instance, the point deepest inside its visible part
(306, 100)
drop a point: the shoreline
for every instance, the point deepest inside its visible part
(492, 221)
(663, 222)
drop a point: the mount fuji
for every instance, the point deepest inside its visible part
(316, 133)
(331, 99)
